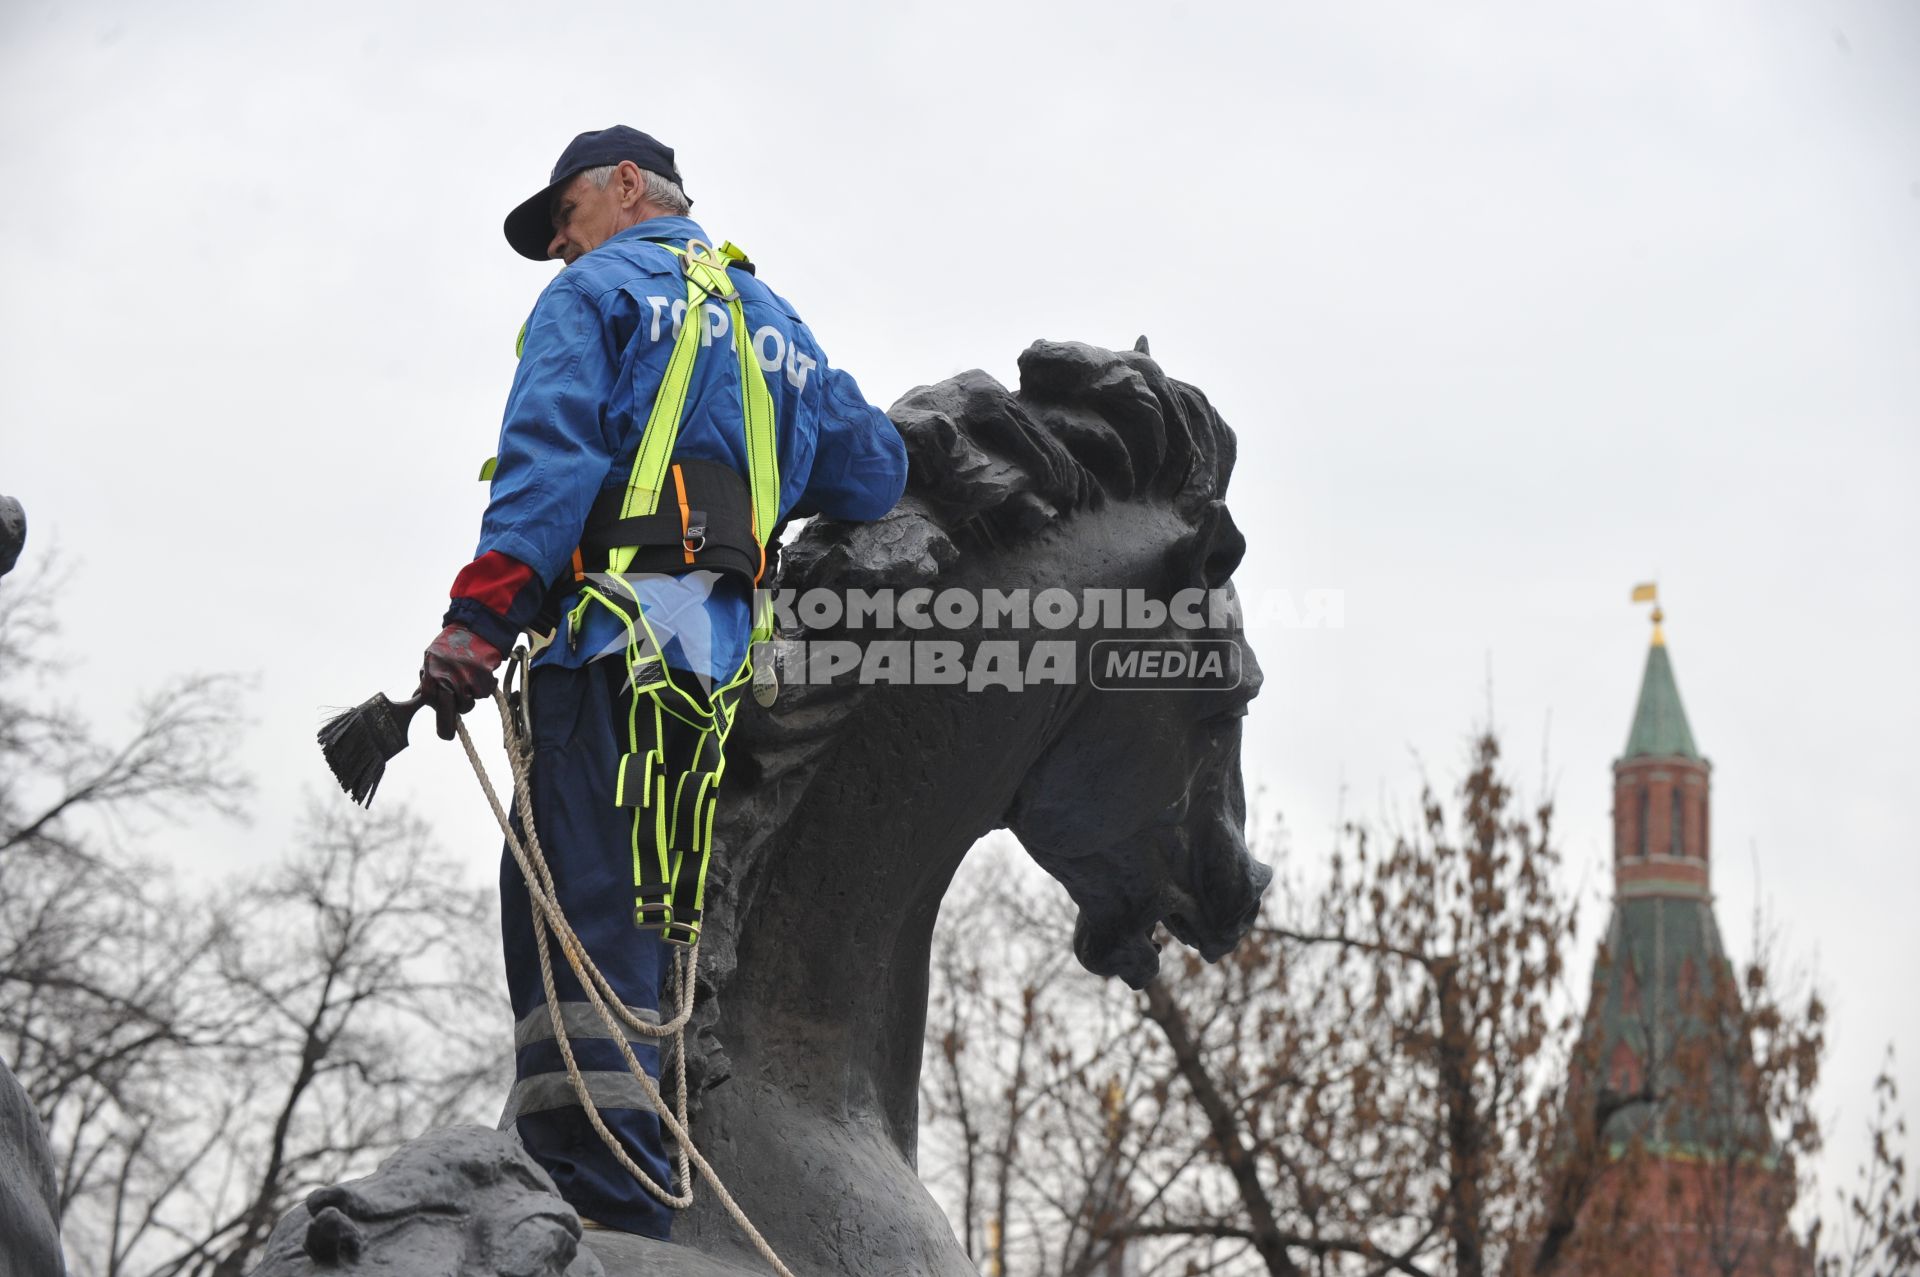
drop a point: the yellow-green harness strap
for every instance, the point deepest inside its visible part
(670, 876)
(706, 274)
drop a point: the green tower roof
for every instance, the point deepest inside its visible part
(1655, 1002)
(1659, 721)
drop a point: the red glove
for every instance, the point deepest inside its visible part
(456, 671)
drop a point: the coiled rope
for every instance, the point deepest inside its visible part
(613, 1013)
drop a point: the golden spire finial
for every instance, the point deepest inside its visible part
(1649, 592)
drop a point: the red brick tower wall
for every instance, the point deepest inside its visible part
(1649, 854)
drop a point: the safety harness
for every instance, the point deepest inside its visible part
(680, 516)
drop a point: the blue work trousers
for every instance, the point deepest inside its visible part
(579, 734)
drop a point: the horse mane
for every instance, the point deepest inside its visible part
(989, 467)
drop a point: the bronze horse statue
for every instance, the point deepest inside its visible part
(849, 807)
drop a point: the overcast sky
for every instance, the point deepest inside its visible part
(1511, 306)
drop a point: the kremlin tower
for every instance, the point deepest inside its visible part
(1666, 1157)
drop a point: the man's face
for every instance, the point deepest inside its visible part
(585, 217)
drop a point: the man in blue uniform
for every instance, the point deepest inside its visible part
(595, 356)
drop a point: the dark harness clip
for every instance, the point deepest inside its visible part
(696, 537)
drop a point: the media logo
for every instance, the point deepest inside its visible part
(1164, 665)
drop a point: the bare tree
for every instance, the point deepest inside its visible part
(174, 760)
(347, 1014)
(1878, 1229)
(362, 1021)
(102, 966)
(1040, 1111)
(202, 1058)
(1369, 1069)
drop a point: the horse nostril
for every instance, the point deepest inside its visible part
(332, 1238)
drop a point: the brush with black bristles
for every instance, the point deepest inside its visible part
(359, 742)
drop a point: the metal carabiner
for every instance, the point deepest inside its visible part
(516, 684)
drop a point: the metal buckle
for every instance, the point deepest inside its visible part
(701, 253)
(650, 913)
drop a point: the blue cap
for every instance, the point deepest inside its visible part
(530, 226)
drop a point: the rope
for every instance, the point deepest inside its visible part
(547, 916)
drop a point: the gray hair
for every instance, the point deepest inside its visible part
(662, 192)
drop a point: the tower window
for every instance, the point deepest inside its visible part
(1679, 839)
(1646, 810)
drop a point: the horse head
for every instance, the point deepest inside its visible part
(1101, 476)
(1137, 806)
(460, 1199)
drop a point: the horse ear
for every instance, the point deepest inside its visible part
(1140, 345)
(1217, 546)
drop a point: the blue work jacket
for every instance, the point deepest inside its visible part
(596, 350)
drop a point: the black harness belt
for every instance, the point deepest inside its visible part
(705, 520)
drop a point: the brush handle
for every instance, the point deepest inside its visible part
(401, 715)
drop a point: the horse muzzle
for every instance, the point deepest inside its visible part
(1208, 897)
